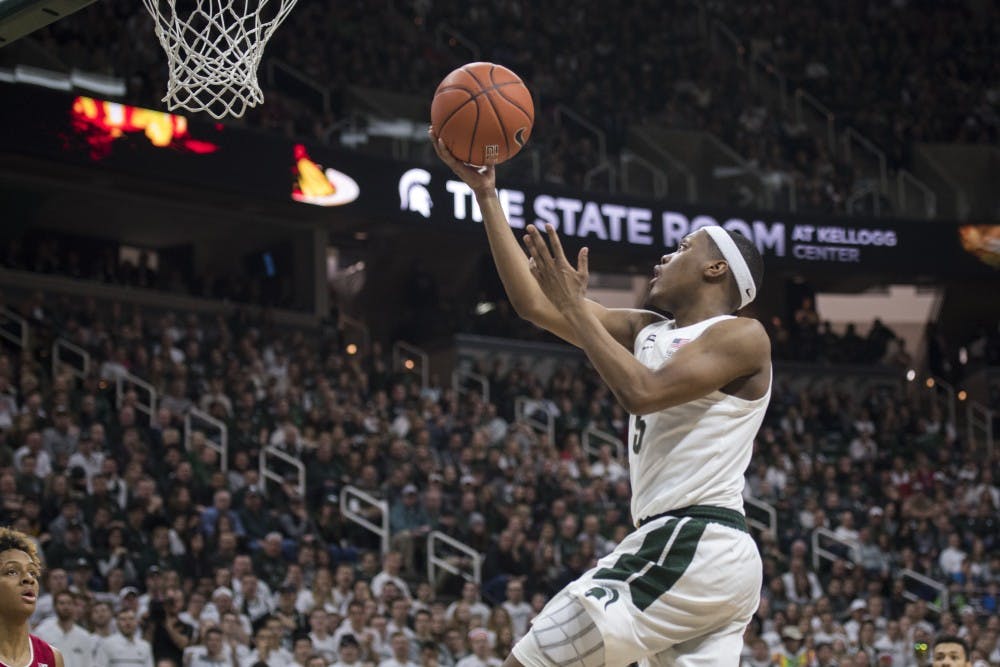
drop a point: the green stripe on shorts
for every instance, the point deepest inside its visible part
(651, 549)
(656, 579)
(661, 578)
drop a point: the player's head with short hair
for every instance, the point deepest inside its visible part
(711, 263)
(11, 539)
(20, 571)
(751, 257)
(950, 651)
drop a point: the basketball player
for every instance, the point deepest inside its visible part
(680, 589)
(20, 569)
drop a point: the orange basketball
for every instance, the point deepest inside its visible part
(483, 112)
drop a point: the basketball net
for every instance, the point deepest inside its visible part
(214, 48)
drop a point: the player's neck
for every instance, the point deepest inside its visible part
(15, 647)
(697, 311)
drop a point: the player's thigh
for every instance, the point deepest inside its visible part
(719, 649)
(562, 635)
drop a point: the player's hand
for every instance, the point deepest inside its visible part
(564, 286)
(480, 179)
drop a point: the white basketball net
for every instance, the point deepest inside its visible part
(213, 49)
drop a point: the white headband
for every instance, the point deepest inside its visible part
(738, 265)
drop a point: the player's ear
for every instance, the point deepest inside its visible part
(716, 268)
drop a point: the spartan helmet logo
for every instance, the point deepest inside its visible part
(413, 193)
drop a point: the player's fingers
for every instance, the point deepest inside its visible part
(583, 261)
(541, 250)
(442, 150)
(557, 249)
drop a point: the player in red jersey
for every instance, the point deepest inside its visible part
(20, 569)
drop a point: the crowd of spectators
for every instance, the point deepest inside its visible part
(908, 71)
(913, 70)
(105, 262)
(145, 535)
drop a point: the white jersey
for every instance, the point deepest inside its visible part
(695, 453)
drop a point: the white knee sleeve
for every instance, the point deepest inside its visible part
(563, 635)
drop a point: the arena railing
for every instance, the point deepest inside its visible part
(82, 358)
(651, 144)
(593, 438)
(405, 357)
(460, 377)
(905, 180)
(221, 447)
(915, 583)
(13, 328)
(127, 381)
(803, 100)
(468, 566)
(850, 550)
(762, 69)
(546, 426)
(771, 525)
(351, 500)
(563, 111)
(658, 178)
(267, 473)
(850, 139)
(719, 33)
(979, 420)
(604, 167)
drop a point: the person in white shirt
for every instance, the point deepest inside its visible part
(479, 639)
(86, 457)
(606, 467)
(392, 564)
(124, 648)
(62, 632)
(301, 650)
(951, 557)
(211, 653)
(400, 652)
(349, 652)
(520, 612)
(470, 596)
(251, 601)
(56, 581)
(322, 640)
(268, 650)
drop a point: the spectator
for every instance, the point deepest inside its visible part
(62, 632)
(210, 653)
(349, 654)
(125, 647)
(400, 652)
(481, 655)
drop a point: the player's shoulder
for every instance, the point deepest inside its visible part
(741, 326)
(744, 334)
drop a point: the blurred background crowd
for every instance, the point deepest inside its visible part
(144, 531)
(900, 72)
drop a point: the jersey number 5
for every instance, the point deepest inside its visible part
(640, 431)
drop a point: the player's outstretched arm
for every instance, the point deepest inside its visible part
(512, 264)
(730, 351)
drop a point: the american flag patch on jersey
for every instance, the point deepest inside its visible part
(676, 343)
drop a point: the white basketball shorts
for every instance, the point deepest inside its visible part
(680, 590)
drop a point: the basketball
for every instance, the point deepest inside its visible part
(483, 112)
